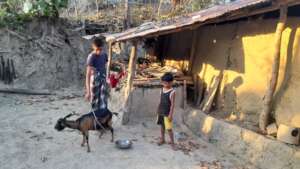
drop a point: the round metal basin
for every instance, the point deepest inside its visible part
(123, 144)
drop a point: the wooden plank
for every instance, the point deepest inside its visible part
(206, 92)
(212, 92)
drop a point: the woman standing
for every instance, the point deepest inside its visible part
(96, 85)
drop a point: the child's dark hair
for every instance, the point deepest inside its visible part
(98, 42)
(167, 77)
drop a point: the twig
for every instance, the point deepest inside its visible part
(24, 91)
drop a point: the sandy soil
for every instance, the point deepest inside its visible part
(29, 141)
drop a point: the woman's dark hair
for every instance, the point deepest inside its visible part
(167, 77)
(98, 42)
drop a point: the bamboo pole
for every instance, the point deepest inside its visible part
(268, 100)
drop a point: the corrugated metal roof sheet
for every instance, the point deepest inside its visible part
(184, 21)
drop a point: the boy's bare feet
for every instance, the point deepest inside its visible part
(161, 142)
(173, 145)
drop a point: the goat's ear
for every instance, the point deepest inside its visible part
(69, 115)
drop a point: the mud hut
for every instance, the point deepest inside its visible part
(239, 61)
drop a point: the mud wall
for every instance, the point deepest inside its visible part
(47, 55)
(261, 152)
(243, 52)
(143, 103)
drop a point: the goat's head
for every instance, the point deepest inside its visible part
(60, 124)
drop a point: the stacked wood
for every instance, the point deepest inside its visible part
(155, 82)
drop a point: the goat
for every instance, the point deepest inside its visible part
(85, 123)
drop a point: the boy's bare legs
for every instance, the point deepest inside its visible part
(171, 135)
(162, 136)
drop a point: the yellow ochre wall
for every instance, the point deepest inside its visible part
(243, 51)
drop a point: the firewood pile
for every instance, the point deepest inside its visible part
(148, 75)
(156, 71)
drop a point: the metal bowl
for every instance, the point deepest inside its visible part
(123, 144)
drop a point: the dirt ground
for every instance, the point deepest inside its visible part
(29, 141)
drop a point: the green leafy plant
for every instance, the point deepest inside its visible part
(16, 12)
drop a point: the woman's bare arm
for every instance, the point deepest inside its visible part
(87, 82)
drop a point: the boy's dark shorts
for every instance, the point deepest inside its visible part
(160, 120)
(165, 122)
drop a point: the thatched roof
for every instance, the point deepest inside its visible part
(220, 13)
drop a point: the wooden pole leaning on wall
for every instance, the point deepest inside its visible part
(264, 117)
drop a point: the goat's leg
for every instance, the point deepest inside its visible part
(112, 134)
(87, 141)
(101, 132)
(111, 130)
(83, 139)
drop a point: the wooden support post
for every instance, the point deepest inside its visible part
(131, 68)
(184, 92)
(268, 100)
(193, 51)
(109, 59)
(130, 78)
